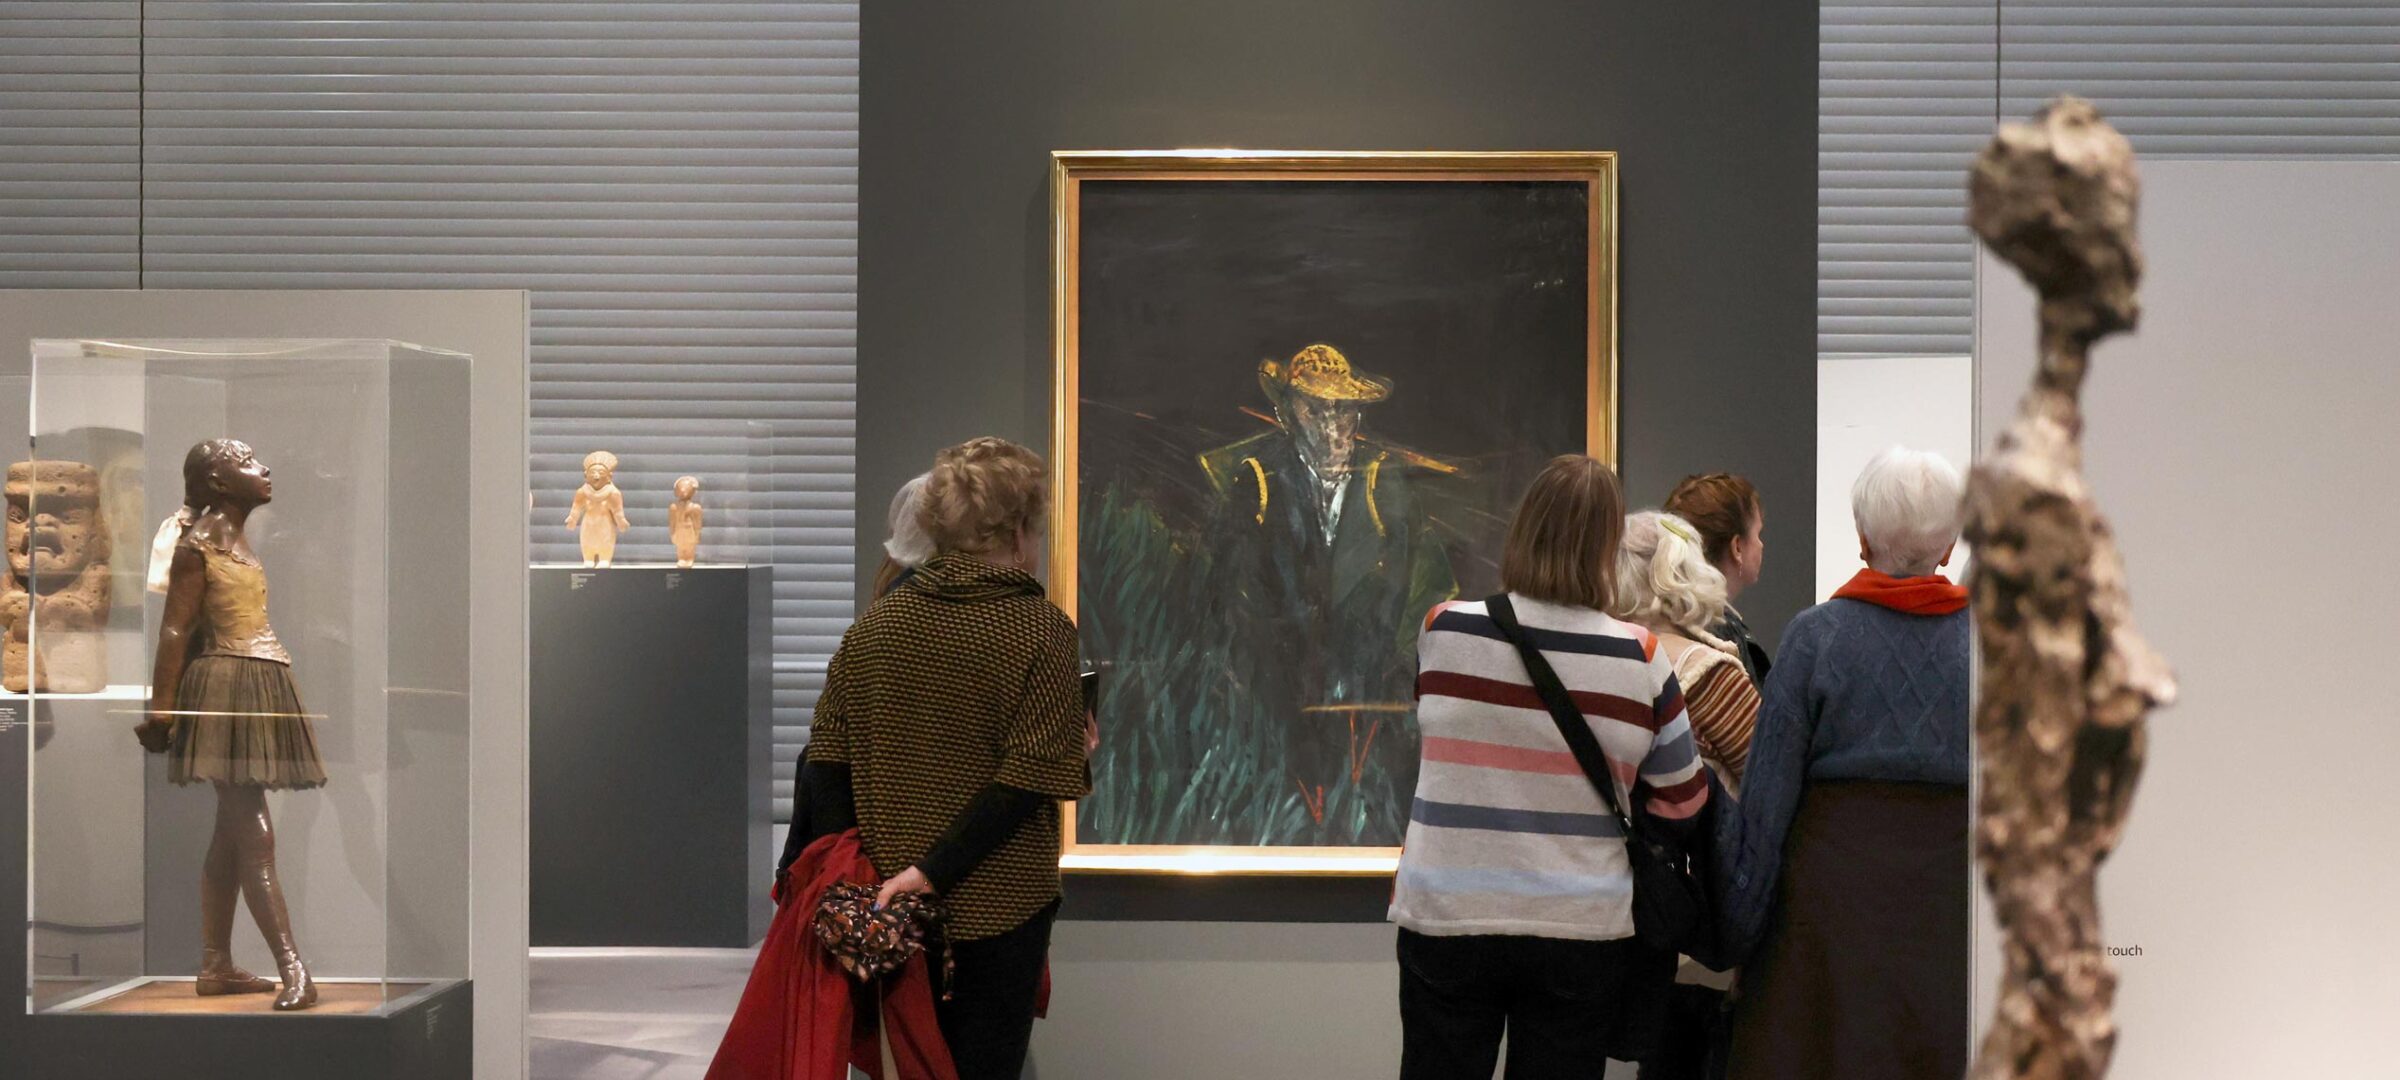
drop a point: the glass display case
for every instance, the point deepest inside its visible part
(661, 472)
(290, 782)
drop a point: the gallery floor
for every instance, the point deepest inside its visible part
(631, 1014)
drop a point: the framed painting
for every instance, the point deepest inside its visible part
(1298, 397)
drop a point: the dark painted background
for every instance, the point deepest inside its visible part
(1469, 297)
(1711, 105)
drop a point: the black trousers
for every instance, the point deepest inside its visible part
(1557, 1002)
(988, 1020)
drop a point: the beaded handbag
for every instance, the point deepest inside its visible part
(870, 942)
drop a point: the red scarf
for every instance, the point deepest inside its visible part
(798, 1018)
(1932, 594)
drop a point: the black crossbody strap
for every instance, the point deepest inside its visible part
(1571, 724)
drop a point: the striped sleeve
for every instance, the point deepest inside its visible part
(1724, 711)
(1675, 781)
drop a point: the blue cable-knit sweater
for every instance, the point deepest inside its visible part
(1858, 692)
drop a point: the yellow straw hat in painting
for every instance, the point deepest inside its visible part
(1320, 371)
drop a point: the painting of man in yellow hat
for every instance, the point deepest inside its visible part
(1318, 531)
(1295, 416)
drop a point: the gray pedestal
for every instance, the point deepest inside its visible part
(652, 750)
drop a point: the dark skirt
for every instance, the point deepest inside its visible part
(1863, 974)
(241, 723)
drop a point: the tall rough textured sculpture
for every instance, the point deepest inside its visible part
(2067, 680)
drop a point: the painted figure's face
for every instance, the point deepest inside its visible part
(56, 532)
(686, 488)
(596, 474)
(1327, 431)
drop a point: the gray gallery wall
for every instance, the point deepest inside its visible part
(2240, 443)
(1713, 108)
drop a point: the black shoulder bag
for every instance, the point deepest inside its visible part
(1670, 900)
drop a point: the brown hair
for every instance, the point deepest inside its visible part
(887, 575)
(980, 493)
(1562, 547)
(1720, 505)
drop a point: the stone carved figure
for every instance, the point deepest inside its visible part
(2066, 680)
(683, 521)
(225, 711)
(58, 578)
(599, 508)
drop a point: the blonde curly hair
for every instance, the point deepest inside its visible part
(980, 494)
(1664, 580)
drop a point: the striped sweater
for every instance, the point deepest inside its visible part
(1506, 835)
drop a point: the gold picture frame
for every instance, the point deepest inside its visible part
(1071, 169)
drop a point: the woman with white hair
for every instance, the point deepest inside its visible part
(1844, 876)
(1666, 585)
(909, 544)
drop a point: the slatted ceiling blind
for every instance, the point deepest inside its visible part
(70, 144)
(2216, 80)
(1909, 92)
(676, 182)
(1905, 100)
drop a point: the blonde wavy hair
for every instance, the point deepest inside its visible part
(1664, 580)
(980, 494)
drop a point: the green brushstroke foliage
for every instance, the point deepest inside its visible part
(1195, 748)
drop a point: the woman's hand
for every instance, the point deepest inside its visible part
(911, 880)
(1091, 734)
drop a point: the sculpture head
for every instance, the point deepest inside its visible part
(55, 525)
(686, 487)
(599, 467)
(225, 473)
(2056, 197)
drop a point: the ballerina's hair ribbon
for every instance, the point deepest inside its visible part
(162, 548)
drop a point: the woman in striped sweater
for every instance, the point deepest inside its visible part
(1513, 896)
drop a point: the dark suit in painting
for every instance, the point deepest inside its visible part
(1327, 596)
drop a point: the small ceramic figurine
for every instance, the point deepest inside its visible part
(225, 711)
(599, 508)
(683, 521)
(58, 549)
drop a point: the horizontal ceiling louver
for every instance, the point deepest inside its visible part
(675, 182)
(1905, 99)
(70, 145)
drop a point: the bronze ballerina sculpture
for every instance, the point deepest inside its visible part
(225, 711)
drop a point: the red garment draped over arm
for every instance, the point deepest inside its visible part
(799, 1017)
